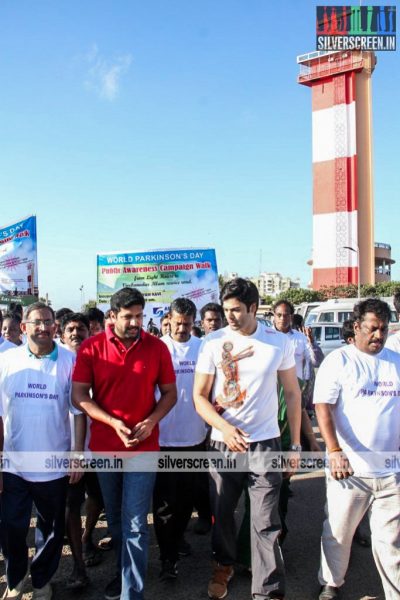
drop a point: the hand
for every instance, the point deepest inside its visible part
(75, 476)
(142, 430)
(234, 438)
(123, 432)
(78, 461)
(293, 462)
(339, 466)
(309, 334)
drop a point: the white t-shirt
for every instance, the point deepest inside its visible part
(245, 385)
(182, 426)
(35, 405)
(393, 342)
(7, 345)
(301, 353)
(364, 390)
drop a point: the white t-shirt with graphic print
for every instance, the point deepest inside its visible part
(245, 369)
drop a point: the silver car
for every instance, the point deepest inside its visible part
(328, 336)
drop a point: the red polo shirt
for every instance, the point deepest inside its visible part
(123, 383)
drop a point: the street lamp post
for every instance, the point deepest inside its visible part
(81, 289)
(357, 251)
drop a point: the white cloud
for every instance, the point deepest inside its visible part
(104, 76)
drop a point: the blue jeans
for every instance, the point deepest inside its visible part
(127, 498)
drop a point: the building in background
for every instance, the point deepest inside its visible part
(383, 262)
(343, 207)
(272, 284)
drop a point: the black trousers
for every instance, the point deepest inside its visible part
(173, 500)
(226, 489)
(16, 509)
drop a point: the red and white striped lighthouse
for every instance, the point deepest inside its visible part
(343, 241)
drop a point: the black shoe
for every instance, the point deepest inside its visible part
(168, 570)
(202, 526)
(184, 548)
(328, 592)
(362, 540)
(113, 589)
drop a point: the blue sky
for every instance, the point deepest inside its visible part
(132, 125)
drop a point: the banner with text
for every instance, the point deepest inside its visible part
(18, 261)
(161, 276)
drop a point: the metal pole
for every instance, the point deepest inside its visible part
(358, 267)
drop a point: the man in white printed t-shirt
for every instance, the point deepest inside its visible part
(180, 430)
(357, 395)
(35, 382)
(393, 340)
(240, 364)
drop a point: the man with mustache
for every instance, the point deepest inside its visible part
(35, 382)
(357, 404)
(75, 328)
(122, 367)
(212, 317)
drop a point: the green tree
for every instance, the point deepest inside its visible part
(299, 295)
(267, 300)
(89, 304)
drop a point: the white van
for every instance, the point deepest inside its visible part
(305, 308)
(338, 310)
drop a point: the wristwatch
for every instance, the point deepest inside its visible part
(296, 448)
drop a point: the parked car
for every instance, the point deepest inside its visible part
(265, 322)
(328, 336)
(340, 309)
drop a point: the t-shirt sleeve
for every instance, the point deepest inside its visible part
(393, 342)
(205, 361)
(166, 372)
(288, 355)
(2, 376)
(327, 385)
(83, 370)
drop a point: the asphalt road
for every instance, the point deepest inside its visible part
(301, 554)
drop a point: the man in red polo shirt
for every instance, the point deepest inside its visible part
(122, 366)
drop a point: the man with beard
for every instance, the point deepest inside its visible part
(122, 366)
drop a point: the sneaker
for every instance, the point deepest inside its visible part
(113, 589)
(218, 584)
(43, 593)
(328, 592)
(17, 592)
(168, 570)
(184, 548)
(202, 526)
(105, 543)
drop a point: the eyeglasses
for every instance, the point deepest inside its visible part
(39, 322)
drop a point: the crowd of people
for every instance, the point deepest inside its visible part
(229, 385)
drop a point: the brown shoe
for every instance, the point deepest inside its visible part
(218, 584)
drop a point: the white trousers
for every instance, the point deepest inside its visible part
(346, 503)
